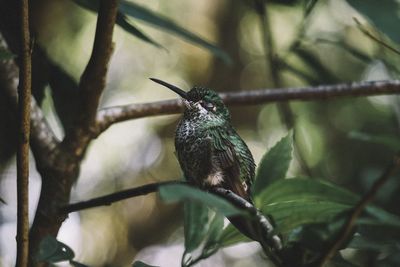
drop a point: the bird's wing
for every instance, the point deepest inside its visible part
(224, 151)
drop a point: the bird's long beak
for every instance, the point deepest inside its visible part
(177, 90)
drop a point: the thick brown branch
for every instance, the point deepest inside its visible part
(93, 79)
(57, 179)
(348, 227)
(114, 197)
(24, 93)
(106, 117)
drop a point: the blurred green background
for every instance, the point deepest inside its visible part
(314, 42)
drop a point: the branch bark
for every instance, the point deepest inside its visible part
(117, 196)
(348, 227)
(108, 116)
(59, 176)
(24, 92)
(93, 80)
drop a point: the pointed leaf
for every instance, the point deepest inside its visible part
(195, 224)
(121, 21)
(384, 15)
(130, 28)
(274, 164)
(157, 20)
(175, 193)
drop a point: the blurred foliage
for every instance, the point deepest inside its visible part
(4, 54)
(346, 142)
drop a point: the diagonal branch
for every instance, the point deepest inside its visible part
(348, 227)
(93, 80)
(270, 242)
(114, 197)
(108, 116)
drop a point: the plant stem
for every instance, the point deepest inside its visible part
(24, 100)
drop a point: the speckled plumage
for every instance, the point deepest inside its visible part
(209, 150)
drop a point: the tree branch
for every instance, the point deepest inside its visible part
(93, 80)
(270, 242)
(24, 93)
(108, 116)
(348, 227)
(114, 197)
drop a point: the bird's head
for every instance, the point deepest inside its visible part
(200, 99)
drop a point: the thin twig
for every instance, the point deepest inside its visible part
(108, 116)
(24, 101)
(114, 197)
(348, 227)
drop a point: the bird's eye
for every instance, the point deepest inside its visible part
(209, 106)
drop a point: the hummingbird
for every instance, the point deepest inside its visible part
(210, 151)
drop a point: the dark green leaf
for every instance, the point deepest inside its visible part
(5, 55)
(214, 234)
(130, 28)
(384, 14)
(312, 190)
(175, 193)
(141, 264)
(121, 21)
(157, 20)
(297, 201)
(231, 236)
(195, 224)
(51, 250)
(388, 141)
(274, 164)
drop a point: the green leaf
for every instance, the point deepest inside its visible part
(156, 20)
(159, 21)
(141, 264)
(214, 234)
(384, 14)
(297, 201)
(274, 164)
(231, 236)
(130, 28)
(195, 224)
(179, 192)
(120, 21)
(51, 250)
(389, 141)
(5, 55)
